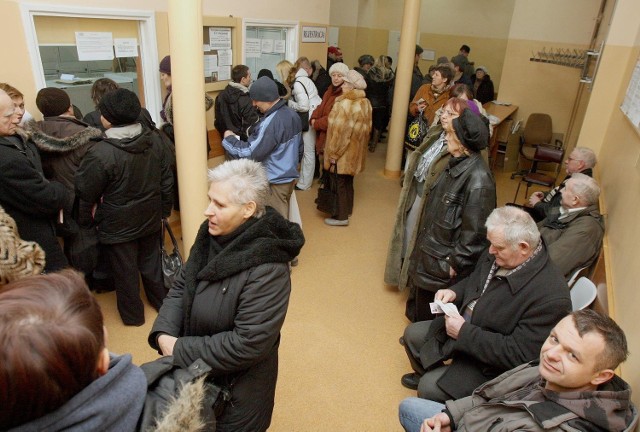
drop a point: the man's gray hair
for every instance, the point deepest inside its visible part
(587, 156)
(248, 180)
(585, 187)
(516, 226)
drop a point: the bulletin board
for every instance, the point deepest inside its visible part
(631, 103)
(220, 51)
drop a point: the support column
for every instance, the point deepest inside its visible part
(185, 37)
(402, 89)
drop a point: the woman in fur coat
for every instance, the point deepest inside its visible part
(347, 138)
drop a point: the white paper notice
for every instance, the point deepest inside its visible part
(94, 46)
(252, 48)
(224, 57)
(206, 47)
(267, 45)
(219, 38)
(126, 47)
(224, 73)
(210, 65)
(280, 47)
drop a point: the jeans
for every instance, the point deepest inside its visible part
(413, 411)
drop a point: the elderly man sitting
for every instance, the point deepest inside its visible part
(573, 232)
(581, 160)
(574, 387)
(508, 305)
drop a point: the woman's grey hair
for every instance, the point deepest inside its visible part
(516, 225)
(585, 187)
(249, 181)
(587, 156)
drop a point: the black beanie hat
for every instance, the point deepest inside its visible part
(165, 65)
(264, 89)
(120, 107)
(52, 101)
(471, 130)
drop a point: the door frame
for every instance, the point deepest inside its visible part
(146, 30)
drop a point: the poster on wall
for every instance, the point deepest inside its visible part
(225, 57)
(94, 46)
(219, 38)
(252, 48)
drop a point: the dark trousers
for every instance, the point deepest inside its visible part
(128, 259)
(418, 308)
(345, 197)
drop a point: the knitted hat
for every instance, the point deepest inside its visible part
(120, 107)
(334, 50)
(165, 65)
(340, 68)
(483, 69)
(366, 59)
(356, 80)
(264, 89)
(471, 130)
(52, 101)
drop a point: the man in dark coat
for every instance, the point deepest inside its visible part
(128, 176)
(507, 307)
(26, 195)
(234, 109)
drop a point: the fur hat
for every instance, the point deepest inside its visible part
(264, 89)
(356, 79)
(334, 50)
(52, 101)
(165, 65)
(471, 130)
(340, 68)
(120, 107)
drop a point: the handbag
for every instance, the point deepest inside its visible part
(416, 132)
(171, 262)
(170, 388)
(304, 116)
(327, 200)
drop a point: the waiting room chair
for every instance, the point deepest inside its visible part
(543, 154)
(537, 131)
(583, 293)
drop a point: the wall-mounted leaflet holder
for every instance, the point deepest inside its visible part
(597, 55)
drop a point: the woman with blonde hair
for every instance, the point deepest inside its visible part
(283, 68)
(304, 101)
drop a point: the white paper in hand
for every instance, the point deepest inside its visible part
(449, 309)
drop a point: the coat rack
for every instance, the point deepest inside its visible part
(564, 57)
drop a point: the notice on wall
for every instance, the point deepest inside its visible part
(126, 47)
(252, 48)
(631, 103)
(266, 45)
(211, 66)
(314, 34)
(224, 73)
(220, 38)
(280, 47)
(225, 57)
(94, 46)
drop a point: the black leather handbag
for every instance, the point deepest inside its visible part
(327, 200)
(171, 262)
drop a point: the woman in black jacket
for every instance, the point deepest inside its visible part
(452, 234)
(482, 86)
(229, 303)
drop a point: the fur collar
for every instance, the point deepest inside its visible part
(52, 144)
(352, 95)
(239, 86)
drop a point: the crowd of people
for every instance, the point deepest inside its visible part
(492, 341)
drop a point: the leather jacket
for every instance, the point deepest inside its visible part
(453, 232)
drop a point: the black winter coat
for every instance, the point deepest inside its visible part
(30, 199)
(485, 91)
(234, 111)
(453, 232)
(131, 181)
(510, 322)
(227, 307)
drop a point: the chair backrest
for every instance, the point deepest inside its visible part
(538, 129)
(583, 293)
(548, 154)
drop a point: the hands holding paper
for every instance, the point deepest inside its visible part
(453, 320)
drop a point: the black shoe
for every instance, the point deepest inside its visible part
(410, 380)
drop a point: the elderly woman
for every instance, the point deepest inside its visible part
(347, 138)
(55, 370)
(424, 166)
(452, 229)
(320, 118)
(305, 99)
(482, 85)
(430, 97)
(229, 303)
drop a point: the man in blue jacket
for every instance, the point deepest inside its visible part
(275, 141)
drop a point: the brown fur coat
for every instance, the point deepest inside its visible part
(348, 133)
